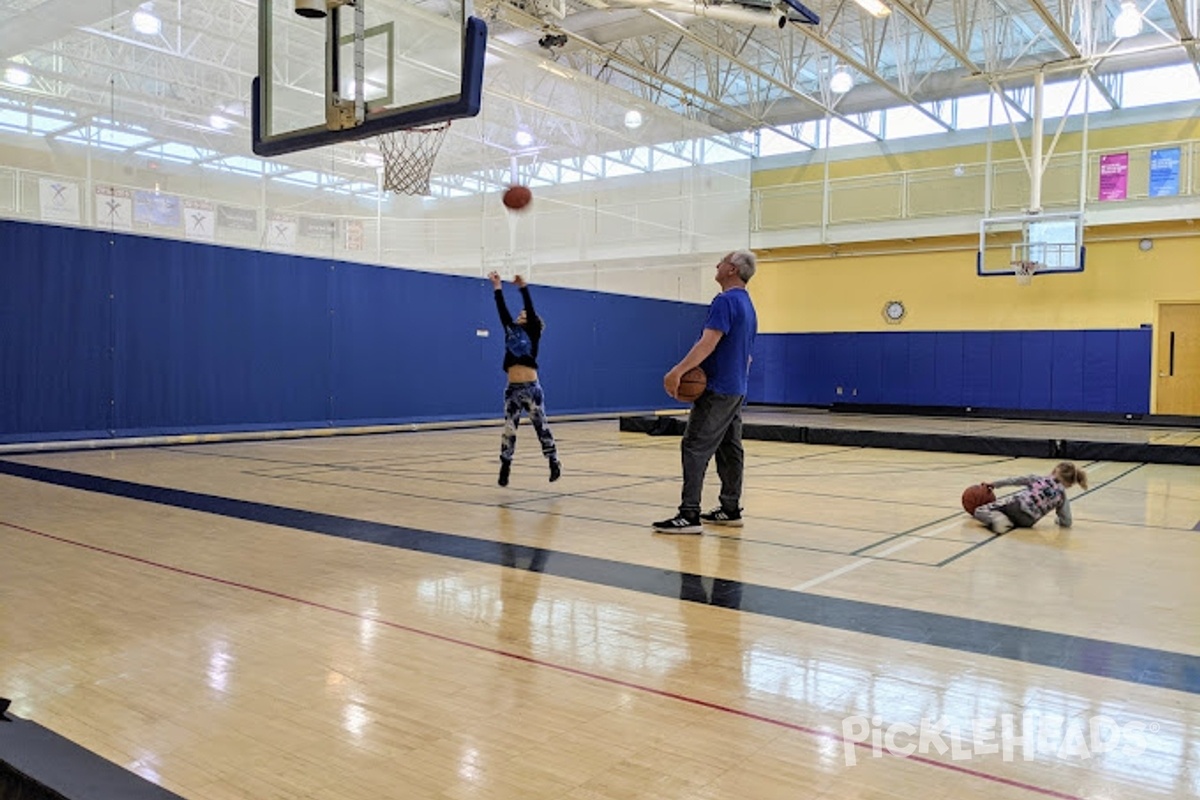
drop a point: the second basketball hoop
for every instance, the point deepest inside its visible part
(1024, 270)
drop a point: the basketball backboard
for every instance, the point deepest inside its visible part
(363, 68)
(1053, 242)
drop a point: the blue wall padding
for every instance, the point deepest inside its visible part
(922, 368)
(120, 335)
(1095, 371)
(56, 318)
(1100, 370)
(977, 369)
(948, 357)
(895, 382)
(869, 370)
(1133, 368)
(1067, 369)
(208, 336)
(1037, 369)
(1006, 369)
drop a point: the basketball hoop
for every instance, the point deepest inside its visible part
(408, 157)
(1024, 271)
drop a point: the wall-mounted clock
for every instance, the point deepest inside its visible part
(893, 311)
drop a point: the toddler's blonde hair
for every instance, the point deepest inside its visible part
(1070, 474)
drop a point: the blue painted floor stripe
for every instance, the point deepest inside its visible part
(1140, 665)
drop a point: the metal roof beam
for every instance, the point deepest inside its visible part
(1187, 36)
(1072, 50)
(858, 65)
(758, 73)
(531, 22)
(1061, 35)
(919, 19)
(52, 20)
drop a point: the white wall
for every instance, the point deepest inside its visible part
(654, 235)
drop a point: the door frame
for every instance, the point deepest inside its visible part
(1154, 344)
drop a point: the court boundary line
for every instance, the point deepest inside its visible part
(522, 504)
(542, 496)
(853, 565)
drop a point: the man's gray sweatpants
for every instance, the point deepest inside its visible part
(714, 426)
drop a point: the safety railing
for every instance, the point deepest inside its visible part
(1163, 171)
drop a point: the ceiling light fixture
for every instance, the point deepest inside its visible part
(145, 23)
(633, 119)
(17, 76)
(523, 138)
(841, 81)
(874, 7)
(1129, 22)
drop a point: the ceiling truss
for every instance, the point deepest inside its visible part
(712, 68)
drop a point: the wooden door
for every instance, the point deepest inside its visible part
(1178, 360)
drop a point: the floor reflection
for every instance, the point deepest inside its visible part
(715, 591)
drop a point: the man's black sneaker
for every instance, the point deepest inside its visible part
(723, 516)
(555, 470)
(679, 523)
(505, 468)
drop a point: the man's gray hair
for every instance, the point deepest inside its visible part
(745, 261)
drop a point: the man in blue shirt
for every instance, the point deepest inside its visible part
(715, 423)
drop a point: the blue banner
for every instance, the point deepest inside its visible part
(1164, 172)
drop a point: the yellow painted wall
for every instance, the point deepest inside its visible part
(1003, 148)
(810, 289)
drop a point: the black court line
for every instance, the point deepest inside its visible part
(901, 534)
(532, 496)
(966, 551)
(915, 531)
(1139, 525)
(925, 467)
(516, 505)
(396, 462)
(538, 496)
(1128, 663)
(313, 470)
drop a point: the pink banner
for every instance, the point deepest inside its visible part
(1114, 176)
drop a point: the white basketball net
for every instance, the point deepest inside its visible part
(408, 157)
(1024, 271)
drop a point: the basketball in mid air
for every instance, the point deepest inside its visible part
(517, 198)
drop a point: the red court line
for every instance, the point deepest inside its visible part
(817, 732)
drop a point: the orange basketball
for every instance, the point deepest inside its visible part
(692, 384)
(517, 197)
(975, 496)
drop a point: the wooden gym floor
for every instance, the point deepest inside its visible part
(373, 617)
